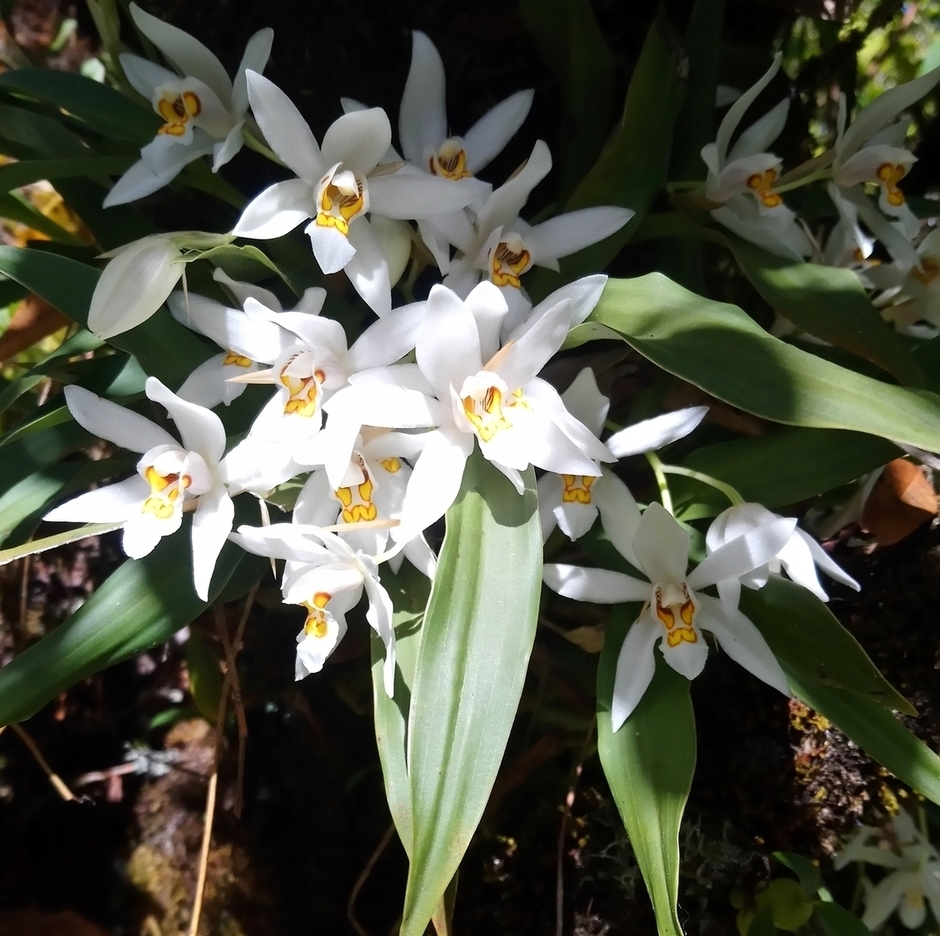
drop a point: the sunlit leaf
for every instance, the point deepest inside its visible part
(649, 764)
(475, 645)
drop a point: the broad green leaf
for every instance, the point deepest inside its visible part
(409, 593)
(649, 764)
(875, 730)
(15, 207)
(112, 227)
(805, 634)
(475, 644)
(837, 921)
(104, 109)
(628, 174)
(28, 171)
(245, 262)
(142, 603)
(723, 351)
(763, 922)
(574, 48)
(29, 498)
(59, 539)
(162, 346)
(782, 467)
(805, 870)
(828, 302)
(25, 134)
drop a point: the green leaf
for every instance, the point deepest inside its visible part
(575, 49)
(162, 346)
(837, 921)
(763, 922)
(475, 644)
(143, 603)
(59, 539)
(626, 174)
(875, 730)
(649, 764)
(723, 351)
(805, 870)
(106, 110)
(15, 207)
(28, 135)
(28, 171)
(804, 633)
(828, 302)
(785, 466)
(408, 590)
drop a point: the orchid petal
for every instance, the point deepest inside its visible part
(358, 140)
(737, 110)
(186, 52)
(652, 434)
(620, 515)
(367, 269)
(505, 203)
(212, 523)
(254, 58)
(571, 232)
(661, 545)
(145, 76)
(485, 140)
(409, 193)
(114, 503)
(599, 586)
(287, 133)
(107, 420)
(277, 210)
(742, 641)
(201, 430)
(636, 665)
(742, 554)
(332, 248)
(448, 347)
(422, 118)
(758, 137)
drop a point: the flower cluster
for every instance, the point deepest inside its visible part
(745, 190)
(375, 433)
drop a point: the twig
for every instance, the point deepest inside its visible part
(363, 877)
(53, 778)
(209, 815)
(20, 632)
(566, 815)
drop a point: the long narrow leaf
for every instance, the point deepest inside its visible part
(143, 603)
(649, 764)
(477, 637)
(876, 731)
(696, 338)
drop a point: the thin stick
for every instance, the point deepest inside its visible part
(566, 815)
(209, 816)
(53, 778)
(363, 877)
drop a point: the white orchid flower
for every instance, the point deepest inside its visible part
(910, 297)
(799, 556)
(203, 111)
(139, 278)
(336, 186)
(169, 476)
(741, 177)
(573, 502)
(372, 490)
(914, 877)
(468, 388)
(327, 577)
(675, 612)
(499, 246)
(245, 339)
(427, 144)
(871, 151)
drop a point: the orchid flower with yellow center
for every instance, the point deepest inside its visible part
(871, 150)
(337, 185)
(741, 176)
(326, 576)
(676, 612)
(170, 477)
(469, 389)
(202, 109)
(913, 878)
(500, 247)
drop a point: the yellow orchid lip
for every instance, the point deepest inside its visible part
(450, 161)
(508, 263)
(177, 110)
(339, 201)
(164, 492)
